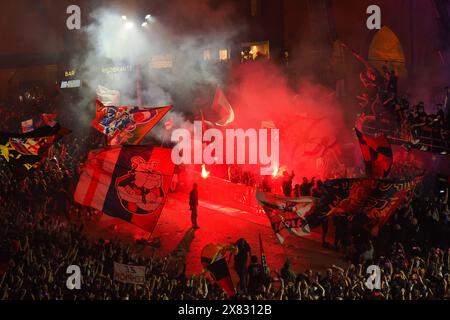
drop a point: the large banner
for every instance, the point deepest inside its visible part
(130, 183)
(126, 125)
(129, 274)
(28, 149)
(376, 199)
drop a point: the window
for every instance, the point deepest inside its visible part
(162, 62)
(255, 50)
(224, 54)
(207, 55)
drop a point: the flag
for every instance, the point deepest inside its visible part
(358, 193)
(27, 126)
(385, 199)
(223, 109)
(321, 148)
(130, 183)
(287, 215)
(377, 199)
(45, 119)
(107, 96)
(221, 273)
(126, 125)
(332, 194)
(49, 119)
(377, 154)
(28, 149)
(211, 253)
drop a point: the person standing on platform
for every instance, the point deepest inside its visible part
(193, 205)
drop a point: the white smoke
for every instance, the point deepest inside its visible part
(113, 41)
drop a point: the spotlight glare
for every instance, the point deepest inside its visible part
(144, 24)
(124, 18)
(148, 17)
(129, 25)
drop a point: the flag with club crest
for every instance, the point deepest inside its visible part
(129, 182)
(127, 125)
(287, 215)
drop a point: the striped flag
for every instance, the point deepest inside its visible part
(221, 274)
(28, 149)
(130, 183)
(377, 154)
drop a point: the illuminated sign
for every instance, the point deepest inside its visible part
(117, 69)
(70, 73)
(70, 84)
(162, 62)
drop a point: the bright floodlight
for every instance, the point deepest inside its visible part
(129, 25)
(148, 17)
(124, 18)
(144, 24)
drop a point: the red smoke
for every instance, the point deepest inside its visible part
(310, 119)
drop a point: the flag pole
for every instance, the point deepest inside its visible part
(138, 85)
(263, 255)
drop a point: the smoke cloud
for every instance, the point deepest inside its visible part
(121, 51)
(310, 120)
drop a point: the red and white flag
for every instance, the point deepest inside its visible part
(222, 107)
(129, 182)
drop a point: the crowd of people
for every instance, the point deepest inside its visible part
(395, 113)
(38, 243)
(41, 238)
(42, 234)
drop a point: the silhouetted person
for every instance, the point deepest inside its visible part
(255, 275)
(297, 193)
(193, 205)
(392, 86)
(287, 183)
(240, 261)
(305, 187)
(286, 272)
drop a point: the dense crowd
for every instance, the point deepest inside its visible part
(395, 112)
(42, 234)
(38, 244)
